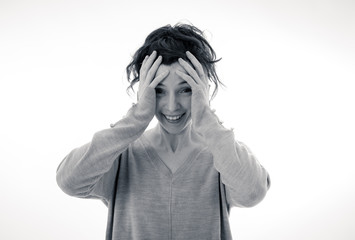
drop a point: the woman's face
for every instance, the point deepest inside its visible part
(173, 100)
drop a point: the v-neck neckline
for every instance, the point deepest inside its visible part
(161, 166)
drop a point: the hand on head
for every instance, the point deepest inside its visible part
(194, 75)
(199, 84)
(147, 78)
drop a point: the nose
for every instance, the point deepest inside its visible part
(172, 103)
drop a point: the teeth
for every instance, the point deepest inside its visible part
(173, 118)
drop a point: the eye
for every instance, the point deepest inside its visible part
(159, 91)
(185, 90)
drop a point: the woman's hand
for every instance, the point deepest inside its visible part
(147, 83)
(144, 110)
(198, 82)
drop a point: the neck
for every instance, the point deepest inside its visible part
(173, 142)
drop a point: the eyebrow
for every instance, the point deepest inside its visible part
(180, 83)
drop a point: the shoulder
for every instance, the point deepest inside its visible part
(139, 146)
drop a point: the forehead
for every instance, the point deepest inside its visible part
(172, 79)
(171, 68)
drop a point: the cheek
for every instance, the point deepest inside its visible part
(159, 106)
(158, 103)
(186, 102)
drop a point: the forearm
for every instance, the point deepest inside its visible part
(245, 179)
(83, 167)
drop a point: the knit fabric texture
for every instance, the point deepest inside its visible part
(146, 200)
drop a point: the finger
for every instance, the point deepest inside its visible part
(147, 63)
(196, 64)
(142, 70)
(158, 79)
(144, 60)
(153, 69)
(187, 78)
(151, 59)
(188, 68)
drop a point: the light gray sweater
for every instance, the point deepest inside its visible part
(146, 200)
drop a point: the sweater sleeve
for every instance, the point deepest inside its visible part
(90, 170)
(246, 181)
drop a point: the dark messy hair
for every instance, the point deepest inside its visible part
(172, 43)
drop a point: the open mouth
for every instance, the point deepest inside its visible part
(173, 118)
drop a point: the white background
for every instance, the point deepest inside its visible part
(289, 71)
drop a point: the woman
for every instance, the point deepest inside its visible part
(179, 179)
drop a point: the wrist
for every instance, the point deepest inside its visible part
(209, 125)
